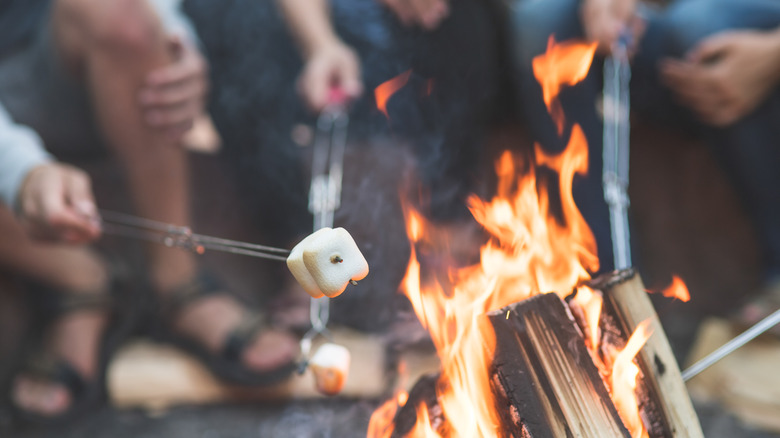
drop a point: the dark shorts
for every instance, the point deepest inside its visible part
(39, 92)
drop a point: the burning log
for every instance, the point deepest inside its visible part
(626, 306)
(545, 379)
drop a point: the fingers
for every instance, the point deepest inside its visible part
(313, 85)
(350, 79)
(174, 116)
(710, 48)
(699, 88)
(335, 67)
(174, 95)
(57, 204)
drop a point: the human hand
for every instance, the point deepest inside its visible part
(331, 66)
(427, 14)
(173, 96)
(56, 203)
(726, 76)
(604, 20)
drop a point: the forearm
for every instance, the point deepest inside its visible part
(309, 22)
(20, 151)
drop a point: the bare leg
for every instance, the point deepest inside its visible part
(113, 45)
(75, 337)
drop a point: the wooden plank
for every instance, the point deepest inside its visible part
(626, 296)
(545, 379)
(154, 376)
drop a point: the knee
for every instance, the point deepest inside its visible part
(122, 26)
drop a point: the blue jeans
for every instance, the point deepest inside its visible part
(748, 149)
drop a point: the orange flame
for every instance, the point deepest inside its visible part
(380, 425)
(386, 89)
(561, 65)
(623, 381)
(532, 249)
(677, 289)
(590, 301)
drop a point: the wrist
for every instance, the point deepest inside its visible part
(320, 45)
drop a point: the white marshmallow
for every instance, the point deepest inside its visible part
(330, 366)
(298, 268)
(333, 260)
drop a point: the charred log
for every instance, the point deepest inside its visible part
(545, 380)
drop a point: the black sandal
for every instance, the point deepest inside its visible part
(227, 364)
(85, 394)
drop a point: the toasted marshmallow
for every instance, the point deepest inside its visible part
(326, 261)
(333, 260)
(330, 366)
(298, 268)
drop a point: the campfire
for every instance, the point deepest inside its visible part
(529, 344)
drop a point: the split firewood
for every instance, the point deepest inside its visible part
(543, 376)
(326, 261)
(330, 366)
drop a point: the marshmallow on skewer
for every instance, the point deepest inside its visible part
(326, 261)
(298, 268)
(330, 366)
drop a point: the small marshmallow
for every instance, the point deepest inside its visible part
(326, 261)
(330, 366)
(298, 268)
(333, 260)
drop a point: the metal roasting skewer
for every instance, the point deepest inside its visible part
(324, 199)
(616, 105)
(730, 346)
(126, 225)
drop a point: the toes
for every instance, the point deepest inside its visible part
(272, 349)
(45, 398)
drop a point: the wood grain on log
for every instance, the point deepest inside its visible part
(546, 382)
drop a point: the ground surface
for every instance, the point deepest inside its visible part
(328, 419)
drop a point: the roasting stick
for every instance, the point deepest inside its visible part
(325, 198)
(729, 347)
(616, 104)
(126, 225)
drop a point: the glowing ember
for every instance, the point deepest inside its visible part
(386, 89)
(677, 289)
(623, 381)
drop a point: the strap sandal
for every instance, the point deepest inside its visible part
(226, 364)
(85, 393)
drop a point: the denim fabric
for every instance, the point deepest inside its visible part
(747, 149)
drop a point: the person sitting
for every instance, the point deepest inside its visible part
(77, 76)
(710, 67)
